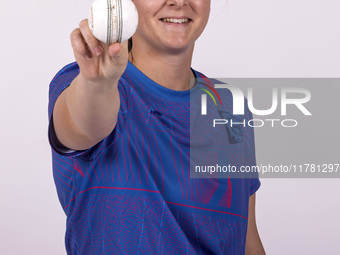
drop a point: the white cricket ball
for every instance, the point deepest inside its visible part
(113, 20)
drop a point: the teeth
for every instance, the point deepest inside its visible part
(171, 20)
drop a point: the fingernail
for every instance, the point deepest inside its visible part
(98, 51)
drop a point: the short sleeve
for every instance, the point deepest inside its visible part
(254, 181)
(59, 83)
(54, 141)
(255, 184)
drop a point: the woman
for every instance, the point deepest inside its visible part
(119, 132)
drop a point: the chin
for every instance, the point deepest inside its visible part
(177, 46)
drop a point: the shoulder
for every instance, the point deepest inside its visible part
(67, 73)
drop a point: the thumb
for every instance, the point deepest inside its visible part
(116, 50)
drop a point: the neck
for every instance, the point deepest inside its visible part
(167, 69)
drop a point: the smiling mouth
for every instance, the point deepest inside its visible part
(176, 21)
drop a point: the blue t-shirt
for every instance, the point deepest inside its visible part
(132, 192)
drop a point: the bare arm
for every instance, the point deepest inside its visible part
(253, 242)
(86, 112)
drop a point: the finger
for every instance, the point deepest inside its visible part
(92, 42)
(80, 49)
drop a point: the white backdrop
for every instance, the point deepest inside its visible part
(244, 38)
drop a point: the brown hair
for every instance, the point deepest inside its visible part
(130, 44)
